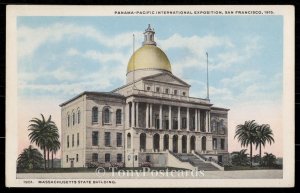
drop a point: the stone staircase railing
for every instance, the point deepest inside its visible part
(183, 160)
(211, 160)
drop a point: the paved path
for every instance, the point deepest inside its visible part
(241, 174)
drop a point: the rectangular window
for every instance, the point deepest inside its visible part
(77, 157)
(148, 158)
(222, 144)
(148, 88)
(95, 138)
(72, 140)
(157, 123)
(77, 139)
(94, 157)
(167, 91)
(215, 145)
(157, 89)
(78, 117)
(68, 142)
(107, 157)
(183, 120)
(175, 92)
(73, 119)
(67, 158)
(119, 139)
(68, 121)
(107, 138)
(166, 124)
(175, 123)
(119, 157)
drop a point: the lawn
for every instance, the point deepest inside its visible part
(92, 170)
(231, 168)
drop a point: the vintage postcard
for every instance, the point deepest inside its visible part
(150, 96)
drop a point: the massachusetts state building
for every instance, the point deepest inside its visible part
(150, 121)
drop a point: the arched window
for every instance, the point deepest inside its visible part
(142, 142)
(119, 116)
(95, 115)
(156, 142)
(106, 115)
(68, 120)
(73, 118)
(213, 125)
(222, 127)
(78, 116)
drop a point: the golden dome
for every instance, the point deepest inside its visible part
(149, 57)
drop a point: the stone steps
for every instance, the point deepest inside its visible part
(195, 161)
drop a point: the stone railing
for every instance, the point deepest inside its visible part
(168, 96)
(182, 160)
(209, 159)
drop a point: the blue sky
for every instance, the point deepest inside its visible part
(245, 53)
(60, 57)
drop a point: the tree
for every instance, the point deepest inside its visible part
(42, 132)
(256, 159)
(30, 158)
(239, 158)
(269, 160)
(54, 147)
(264, 135)
(246, 135)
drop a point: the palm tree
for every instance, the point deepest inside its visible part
(246, 135)
(239, 157)
(264, 135)
(269, 159)
(30, 158)
(256, 158)
(42, 132)
(54, 147)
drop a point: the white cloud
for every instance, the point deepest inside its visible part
(30, 39)
(242, 78)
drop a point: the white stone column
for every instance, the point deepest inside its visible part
(160, 116)
(179, 144)
(137, 114)
(188, 147)
(209, 121)
(161, 143)
(151, 118)
(206, 122)
(187, 119)
(127, 114)
(147, 115)
(149, 142)
(179, 119)
(170, 117)
(199, 122)
(133, 114)
(171, 143)
(196, 119)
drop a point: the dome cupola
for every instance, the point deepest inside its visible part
(148, 59)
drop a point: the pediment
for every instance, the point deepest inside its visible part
(166, 78)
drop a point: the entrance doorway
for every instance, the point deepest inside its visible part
(175, 143)
(156, 142)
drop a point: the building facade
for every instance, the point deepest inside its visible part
(152, 119)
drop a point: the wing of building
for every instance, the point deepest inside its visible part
(150, 121)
